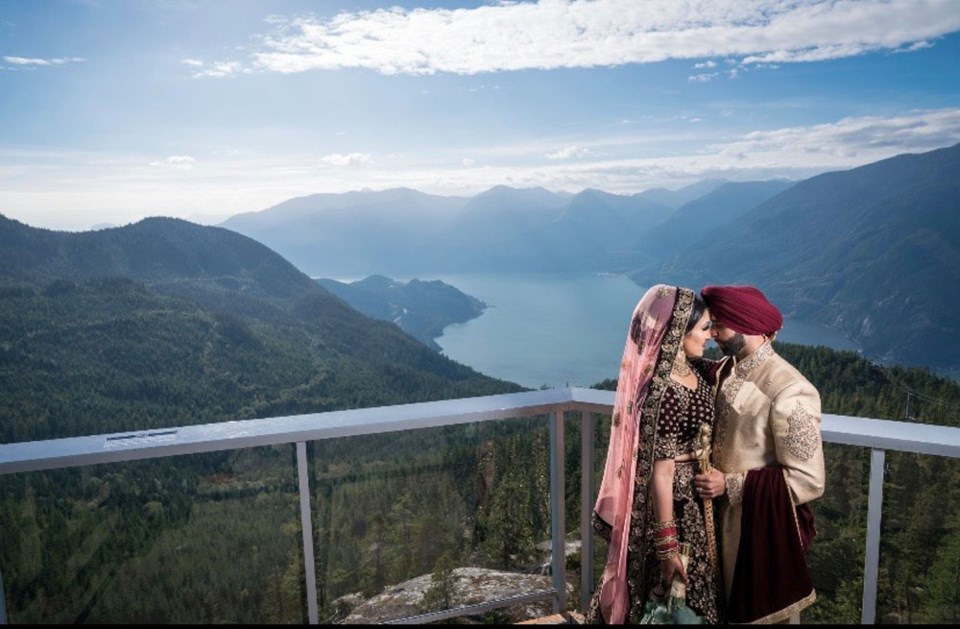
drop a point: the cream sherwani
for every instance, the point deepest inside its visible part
(767, 414)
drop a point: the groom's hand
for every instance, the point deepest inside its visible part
(711, 484)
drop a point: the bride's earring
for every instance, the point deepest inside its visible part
(681, 367)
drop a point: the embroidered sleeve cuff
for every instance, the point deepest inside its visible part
(734, 487)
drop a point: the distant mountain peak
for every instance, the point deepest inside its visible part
(870, 251)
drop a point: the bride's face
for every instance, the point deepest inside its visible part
(695, 341)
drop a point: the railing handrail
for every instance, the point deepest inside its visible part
(889, 434)
(51, 454)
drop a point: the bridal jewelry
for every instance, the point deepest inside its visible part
(681, 367)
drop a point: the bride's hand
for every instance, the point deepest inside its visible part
(672, 567)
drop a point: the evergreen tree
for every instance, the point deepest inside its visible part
(440, 595)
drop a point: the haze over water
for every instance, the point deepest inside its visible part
(563, 329)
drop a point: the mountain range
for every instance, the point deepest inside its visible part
(407, 232)
(871, 251)
(165, 323)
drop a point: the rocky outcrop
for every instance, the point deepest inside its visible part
(469, 586)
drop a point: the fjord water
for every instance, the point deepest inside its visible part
(562, 329)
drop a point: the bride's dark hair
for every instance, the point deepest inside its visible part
(698, 307)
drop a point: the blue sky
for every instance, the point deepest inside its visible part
(113, 110)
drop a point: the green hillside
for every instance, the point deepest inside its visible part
(167, 323)
(420, 308)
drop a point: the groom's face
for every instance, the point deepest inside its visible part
(729, 341)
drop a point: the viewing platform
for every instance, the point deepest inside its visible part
(304, 503)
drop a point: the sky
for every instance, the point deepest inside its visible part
(115, 110)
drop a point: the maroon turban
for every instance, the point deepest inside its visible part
(743, 309)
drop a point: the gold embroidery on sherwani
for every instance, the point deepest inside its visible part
(729, 389)
(734, 487)
(720, 431)
(792, 610)
(754, 360)
(802, 434)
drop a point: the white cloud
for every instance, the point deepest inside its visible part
(220, 69)
(920, 45)
(192, 62)
(350, 159)
(854, 137)
(31, 61)
(468, 162)
(581, 33)
(568, 153)
(178, 162)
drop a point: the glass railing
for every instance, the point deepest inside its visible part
(414, 513)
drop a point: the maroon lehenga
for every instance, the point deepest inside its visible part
(669, 421)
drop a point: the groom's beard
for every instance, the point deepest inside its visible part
(732, 346)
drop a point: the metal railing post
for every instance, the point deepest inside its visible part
(871, 567)
(587, 430)
(557, 515)
(3, 602)
(306, 524)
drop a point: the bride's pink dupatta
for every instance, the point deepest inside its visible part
(653, 317)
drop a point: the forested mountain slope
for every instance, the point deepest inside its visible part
(420, 308)
(873, 252)
(168, 323)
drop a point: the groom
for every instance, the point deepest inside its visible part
(767, 461)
